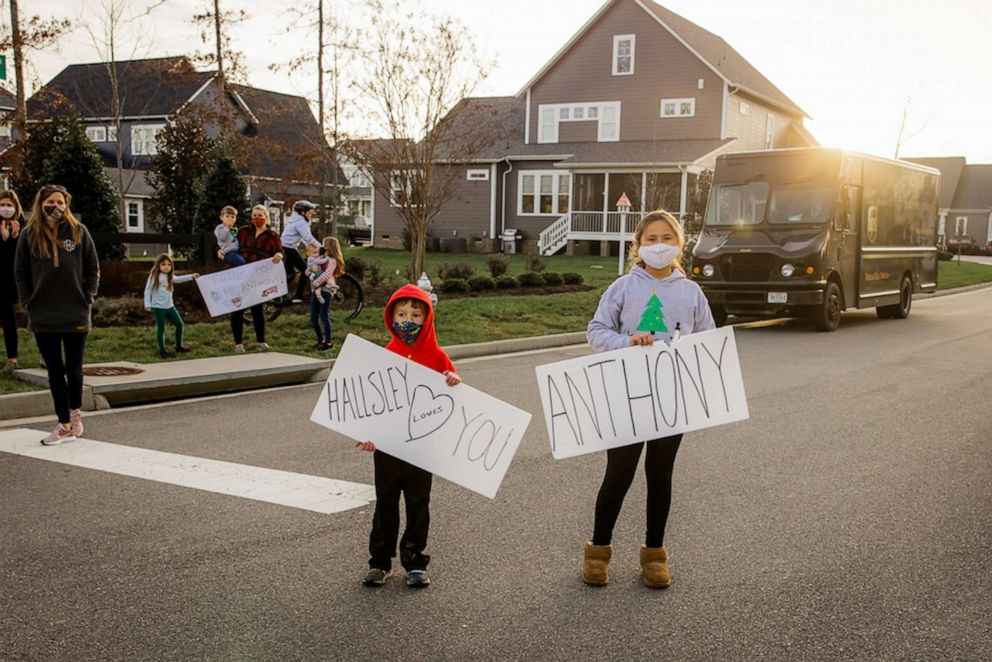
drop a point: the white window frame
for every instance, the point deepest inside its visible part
(744, 108)
(5, 131)
(394, 188)
(477, 174)
(140, 227)
(961, 225)
(678, 107)
(139, 144)
(97, 134)
(556, 191)
(769, 131)
(111, 133)
(547, 132)
(616, 53)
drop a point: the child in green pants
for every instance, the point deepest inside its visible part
(158, 299)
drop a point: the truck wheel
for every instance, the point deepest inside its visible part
(719, 315)
(899, 311)
(827, 316)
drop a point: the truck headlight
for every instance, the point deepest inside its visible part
(788, 270)
(708, 270)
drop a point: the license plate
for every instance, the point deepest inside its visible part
(778, 297)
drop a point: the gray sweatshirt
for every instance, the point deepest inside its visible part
(640, 302)
(227, 239)
(58, 299)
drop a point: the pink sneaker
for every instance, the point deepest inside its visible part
(58, 435)
(76, 421)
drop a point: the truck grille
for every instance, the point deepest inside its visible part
(746, 267)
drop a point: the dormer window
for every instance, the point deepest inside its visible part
(605, 114)
(623, 54)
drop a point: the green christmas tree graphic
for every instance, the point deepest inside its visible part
(653, 320)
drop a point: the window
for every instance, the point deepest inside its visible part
(135, 216)
(769, 131)
(143, 139)
(961, 225)
(543, 192)
(477, 175)
(745, 108)
(97, 134)
(678, 107)
(112, 134)
(623, 54)
(4, 131)
(606, 114)
(401, 188)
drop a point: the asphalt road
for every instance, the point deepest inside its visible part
(849, 518)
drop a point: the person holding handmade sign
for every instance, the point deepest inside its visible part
(654, 301)
(410, 319)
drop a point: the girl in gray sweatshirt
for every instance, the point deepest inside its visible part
(653, 302)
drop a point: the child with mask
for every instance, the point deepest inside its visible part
(10, 230)
(653, 302)
(410, 319)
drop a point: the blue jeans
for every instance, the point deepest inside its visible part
(320, 318)
(234, 259)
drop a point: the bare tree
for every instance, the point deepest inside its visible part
(212, 25)
(902, 137)
(417, 69)
(34, 34)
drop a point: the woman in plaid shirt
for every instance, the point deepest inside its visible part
(255, 242)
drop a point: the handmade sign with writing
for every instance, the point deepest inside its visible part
(635, 394)
(409, 412)
(242, 287)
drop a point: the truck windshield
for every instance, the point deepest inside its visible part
(800, 204)
(738, 204)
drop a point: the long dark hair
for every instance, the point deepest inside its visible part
(42, 235)
(157, 270)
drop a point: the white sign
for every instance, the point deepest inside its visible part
(242, 287)
(409, 412)
(636, 394)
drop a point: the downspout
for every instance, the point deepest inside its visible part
(502, 219)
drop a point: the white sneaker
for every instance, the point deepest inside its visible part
(76, 421)
(264, 346)
(239, 349)
(58, 435)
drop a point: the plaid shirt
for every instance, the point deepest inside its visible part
(254, 248)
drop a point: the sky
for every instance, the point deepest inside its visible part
(854, 66)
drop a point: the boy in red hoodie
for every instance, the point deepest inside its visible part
(410, 319)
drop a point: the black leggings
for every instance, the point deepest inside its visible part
(621, 465)
(257, 321)
(295, 264)
(65, 378)
(9, 324)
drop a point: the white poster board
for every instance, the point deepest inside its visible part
(409, 412)
(635, 394)
(242, 287)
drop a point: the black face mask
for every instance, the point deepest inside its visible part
(53, 213)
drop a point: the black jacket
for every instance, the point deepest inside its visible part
(8, 288)
(58, 299)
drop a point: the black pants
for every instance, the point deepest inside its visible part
(65, 378)
(320, 318)
(393, 476)
(295, 264)
(621, 465)
(257, 321)
(9, 324)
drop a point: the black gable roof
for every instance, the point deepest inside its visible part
(155, 88)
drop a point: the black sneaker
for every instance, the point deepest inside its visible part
(182, 349)
(164, 354)
(376, 577)
(417, 579)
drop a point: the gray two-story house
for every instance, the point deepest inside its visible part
(635, 106)
(279, 136)
(965, 202)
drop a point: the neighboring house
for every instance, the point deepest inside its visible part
(638, 103)
(8, 104)
(281, 135)
(965, 205)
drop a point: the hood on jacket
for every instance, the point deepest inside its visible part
(425, 349)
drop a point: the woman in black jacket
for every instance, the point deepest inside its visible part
(10, 230)
(58, 273)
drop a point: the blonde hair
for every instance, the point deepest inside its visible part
(43, 237)
(332, 249)
(642, 225)
(157, 269)
(264, 210)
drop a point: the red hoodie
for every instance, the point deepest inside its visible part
(425, 349)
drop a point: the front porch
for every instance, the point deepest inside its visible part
(599, 212)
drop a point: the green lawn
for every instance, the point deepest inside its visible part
(462, 320)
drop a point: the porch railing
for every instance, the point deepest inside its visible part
(609, 222)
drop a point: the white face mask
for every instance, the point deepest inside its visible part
(658, 256)
(7, 211)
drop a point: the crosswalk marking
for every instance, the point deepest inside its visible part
(316, 493)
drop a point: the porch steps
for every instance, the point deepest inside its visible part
(553, 238)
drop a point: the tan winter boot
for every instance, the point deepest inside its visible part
(597, 562)
(654, 563)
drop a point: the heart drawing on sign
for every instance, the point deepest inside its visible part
(236, 301)
(428, 412)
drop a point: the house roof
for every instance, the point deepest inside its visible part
(950, 172)
(151, 88)
(7, 100)
(708, 47)
(974, 190)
